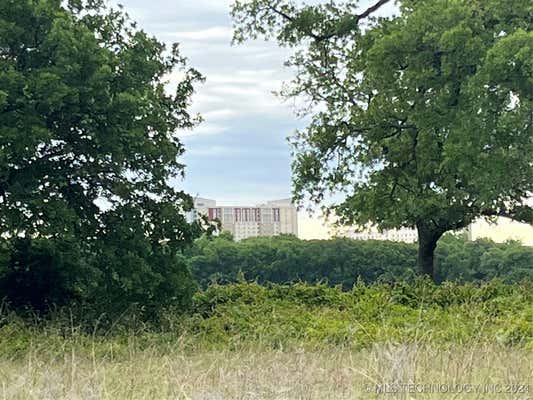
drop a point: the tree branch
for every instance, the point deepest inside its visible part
(520, 214)
(289, 18)
(320, 38)
(372, 9)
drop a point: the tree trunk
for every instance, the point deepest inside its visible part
(427, 243)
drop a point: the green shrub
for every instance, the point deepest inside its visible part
(249, 315)
(40, 273)
(114, 280)
(313, 315)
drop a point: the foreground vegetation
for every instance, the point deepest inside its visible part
(162, 373)
(248, 315)
(247, 341)
(100, 302)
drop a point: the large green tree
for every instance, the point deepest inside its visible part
(420, 119)
(88, 143)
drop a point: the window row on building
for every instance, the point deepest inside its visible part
(239, 214)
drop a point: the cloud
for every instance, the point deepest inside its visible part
(220, 114)
(239, 153)
(215, 33)
(204, 128)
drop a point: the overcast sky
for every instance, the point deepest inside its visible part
(239, 153)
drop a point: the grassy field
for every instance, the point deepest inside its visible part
(245, 341)
(328, 373)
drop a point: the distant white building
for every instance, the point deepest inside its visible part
(396, 235)
(273, 218)
(502, 230)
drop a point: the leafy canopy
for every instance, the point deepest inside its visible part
(423, 118)
(89, 148)
(85, 116)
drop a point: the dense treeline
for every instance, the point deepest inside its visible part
(343, 261)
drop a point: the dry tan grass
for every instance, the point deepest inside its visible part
(334, 374)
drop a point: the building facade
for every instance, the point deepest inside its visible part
(270, 219)
(501, 230)
(396, 235)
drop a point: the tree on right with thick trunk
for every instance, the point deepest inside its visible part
(422, 119)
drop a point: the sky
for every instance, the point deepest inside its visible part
(239, 154)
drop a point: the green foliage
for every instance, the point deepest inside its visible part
(464, 261)
(342, 261)
(88, 149)
(41, 273)
(304, 315)
(422, 119)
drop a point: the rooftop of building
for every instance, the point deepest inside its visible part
(204, 202)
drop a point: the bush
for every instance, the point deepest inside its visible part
(102, 282)
(40, 273)
(141, 285)
(313, 315)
